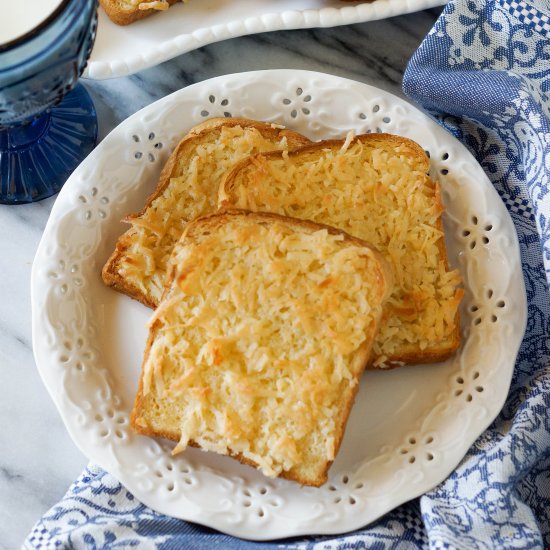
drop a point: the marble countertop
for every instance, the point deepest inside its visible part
(38, 460)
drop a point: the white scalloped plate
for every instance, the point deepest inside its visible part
(120, 51)
(409, 427)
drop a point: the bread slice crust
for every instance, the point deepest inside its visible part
(236, 179)
(183, 153)
(209, 225)
(117, 14)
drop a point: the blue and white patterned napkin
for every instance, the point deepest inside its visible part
(484, 73)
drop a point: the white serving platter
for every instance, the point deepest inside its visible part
(121, 51)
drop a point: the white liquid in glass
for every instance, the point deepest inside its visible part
(21, 16)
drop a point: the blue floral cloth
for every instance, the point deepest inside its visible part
(483, 72)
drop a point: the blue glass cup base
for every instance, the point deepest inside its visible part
(37, 158)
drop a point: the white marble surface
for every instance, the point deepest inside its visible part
(38, 461)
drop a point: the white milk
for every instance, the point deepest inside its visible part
(18, 17)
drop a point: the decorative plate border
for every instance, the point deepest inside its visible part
(396, 456)
(107, 61)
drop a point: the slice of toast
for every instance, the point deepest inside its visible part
(187, 188)
(257, 347)
(124, 12)
(375, 187)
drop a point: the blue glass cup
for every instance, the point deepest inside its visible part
(48, 122)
